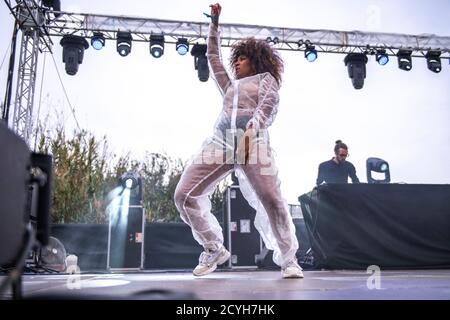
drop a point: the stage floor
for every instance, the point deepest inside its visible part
(240, 285)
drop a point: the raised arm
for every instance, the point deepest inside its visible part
(213, 52)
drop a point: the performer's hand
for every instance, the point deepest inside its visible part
(216, 9)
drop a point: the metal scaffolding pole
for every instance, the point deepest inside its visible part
(30, 17)
(26, 79)
(330, 41)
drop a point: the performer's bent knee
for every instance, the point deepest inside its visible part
(180, 198)
(184, 202)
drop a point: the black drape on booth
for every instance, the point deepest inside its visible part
(352, 226)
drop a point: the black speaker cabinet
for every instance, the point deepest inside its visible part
(240, 235)
(14, 178)
(126, 238)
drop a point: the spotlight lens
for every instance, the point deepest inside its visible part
(129, 183)
(182, 49)
(384, 167)
(123, 52)
(124, 49)
(97, 44)
(405, 64)
(156, 51)
(311, 56)
(383, 60)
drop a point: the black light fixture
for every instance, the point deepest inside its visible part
(73, 52)
(273, 41)
(124, 40)
(182, 46)
(200, 61)
(310, 53)
(157, 45)
(404, 59)
(381, 57)
(434, 61)
(98, 41)
(356, 65)
(55, 4)
(129, 180)
(377, 165)
(132, 182)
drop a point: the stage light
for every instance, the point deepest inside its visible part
(126, 223)
(310, 53)
(124, 43)
(182, 46)
(381, 57)
(377, 165)
(98, 41)
(55, 4)
(404, 59)
(157, 45)
(356, 66)
(130, 180)
(200, 61)
(73, 52)
(273, 41)
(434, 61)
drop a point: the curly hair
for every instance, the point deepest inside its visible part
(263, 58)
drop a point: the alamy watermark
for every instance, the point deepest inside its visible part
(230, 148)
(374, 280)
(373, 21)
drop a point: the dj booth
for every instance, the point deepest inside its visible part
(393, 226)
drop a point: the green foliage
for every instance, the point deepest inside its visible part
(85, 172)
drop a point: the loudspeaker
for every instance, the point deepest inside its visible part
(15, 163)
(126, 238)
(240, 235)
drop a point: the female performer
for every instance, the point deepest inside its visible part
(240, 143)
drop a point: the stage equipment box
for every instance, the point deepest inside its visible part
(126, 238)
(240, 235)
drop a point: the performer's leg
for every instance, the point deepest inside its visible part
(263, 177)
(191, 197)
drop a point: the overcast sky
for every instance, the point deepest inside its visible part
(158, 105)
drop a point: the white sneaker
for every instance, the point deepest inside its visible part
(292, 270)
(210, 259)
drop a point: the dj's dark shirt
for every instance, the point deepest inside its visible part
(331, 172)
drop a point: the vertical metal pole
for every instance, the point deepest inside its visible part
(7, 100)
(26, 79)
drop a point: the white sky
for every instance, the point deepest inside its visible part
(145, 104)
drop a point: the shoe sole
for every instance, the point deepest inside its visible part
(293, 276)
(222, 260)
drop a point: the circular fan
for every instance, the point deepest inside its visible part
(53, 255)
